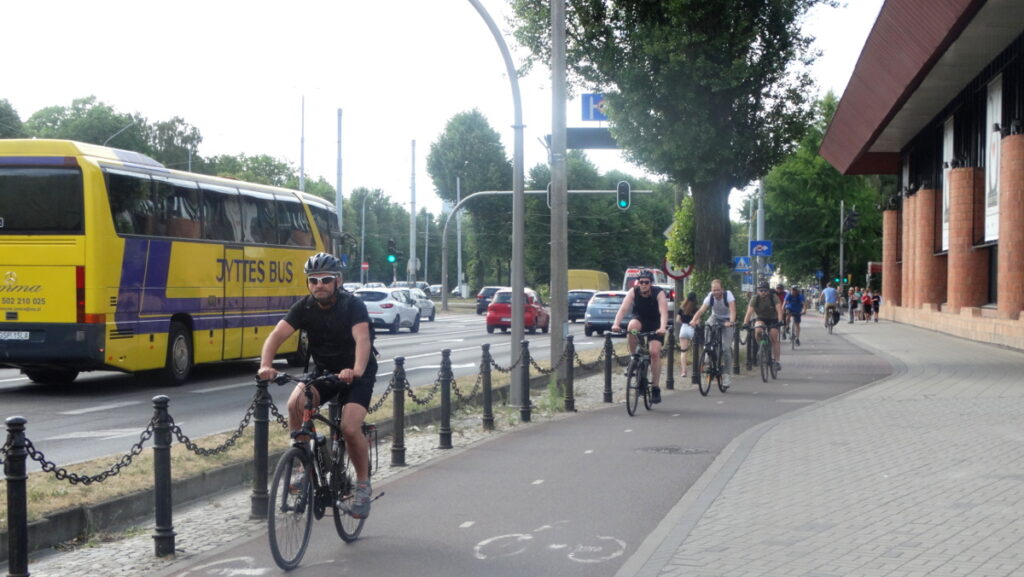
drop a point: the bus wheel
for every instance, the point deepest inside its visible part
(298, 358)
(51, 376)
(179, 356)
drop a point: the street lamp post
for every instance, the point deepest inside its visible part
(362, 243)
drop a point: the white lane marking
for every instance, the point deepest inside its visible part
(795, 401)
(538, 482)
(13, 380)
(588, 452)
(100, 408)
(224, 387)
(467, 524)
(104, 434)
(628, 431)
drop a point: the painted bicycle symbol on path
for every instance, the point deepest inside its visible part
(596, 549)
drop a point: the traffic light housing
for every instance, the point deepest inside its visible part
(392, 251)
(850, 221)
(622, 195)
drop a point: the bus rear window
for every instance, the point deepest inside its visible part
(41, 200)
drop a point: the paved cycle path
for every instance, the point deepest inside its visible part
(919, 474)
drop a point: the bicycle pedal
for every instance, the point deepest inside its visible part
(378, 496)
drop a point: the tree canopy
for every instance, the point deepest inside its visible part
(710, 93)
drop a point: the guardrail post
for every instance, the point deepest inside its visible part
(609, 352)
(17, 498)
(524, 410)
(697, 346)
(570, 355)
(398, 413)
(670, 350)
(485, 380)
(446, 400)
(163, 534)
(260, 452)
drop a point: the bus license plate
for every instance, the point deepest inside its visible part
(13, 335)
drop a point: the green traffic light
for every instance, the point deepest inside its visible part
(391, 258)
(623, 204)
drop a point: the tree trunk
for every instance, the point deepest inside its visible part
(711, 226)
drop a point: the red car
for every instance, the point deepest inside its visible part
(535, 315)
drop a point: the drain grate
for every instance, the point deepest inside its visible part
(672, 450)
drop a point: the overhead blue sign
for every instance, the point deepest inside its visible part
(741, 263)
(593, 107)
(761, 248)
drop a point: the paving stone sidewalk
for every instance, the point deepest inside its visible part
(921, 474)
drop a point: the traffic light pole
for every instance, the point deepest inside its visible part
(842, 234)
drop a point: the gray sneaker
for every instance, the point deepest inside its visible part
(361, 500)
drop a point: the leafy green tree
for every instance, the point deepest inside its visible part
(470, 150)
(174, 143)
(92, 121)
(10, 123)
(709, 93)
(802, 198)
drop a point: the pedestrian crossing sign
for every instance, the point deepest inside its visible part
(741, 263)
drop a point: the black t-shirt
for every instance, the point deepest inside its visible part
(646, 309)
(330, 330)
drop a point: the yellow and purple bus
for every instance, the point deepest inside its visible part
(110, 261)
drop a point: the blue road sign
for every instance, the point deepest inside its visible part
(761, 248)
(741, 263)
(593, 107)
(818, 274)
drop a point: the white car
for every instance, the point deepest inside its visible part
(426, 306)
(391, 308)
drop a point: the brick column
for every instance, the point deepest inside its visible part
(891, 269)
(967, 276)
(909, 234)
(1011, 228)
(930, 270)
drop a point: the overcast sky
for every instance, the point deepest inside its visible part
(238, 71)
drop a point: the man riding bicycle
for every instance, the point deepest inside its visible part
(723, 311)
(767, 308)
(793, 307)
(831, 298)
(338, 328)
(647, 307)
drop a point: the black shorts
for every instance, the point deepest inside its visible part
(795, 316)
(359, 392)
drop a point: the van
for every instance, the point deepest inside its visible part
(633, 272)
(588, 279)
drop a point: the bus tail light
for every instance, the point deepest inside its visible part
(80, 293)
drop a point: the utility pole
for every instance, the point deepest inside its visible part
(339, 194)
(411, 264)
(559, 190)
(842, 231)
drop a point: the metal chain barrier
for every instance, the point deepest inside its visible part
(62, 474)
(380, 402)
(421, 400)
(467, 398)
(230, 442)
(281, 419)
(3, 451)
(509, 368)
(555, 367)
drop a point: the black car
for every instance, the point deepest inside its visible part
(483, 298)
(578, 300)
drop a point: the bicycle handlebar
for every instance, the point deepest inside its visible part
(308, 378)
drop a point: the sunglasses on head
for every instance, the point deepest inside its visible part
(315, 280)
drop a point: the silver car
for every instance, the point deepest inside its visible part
(426, 306)
(391, 308)
(601, 311)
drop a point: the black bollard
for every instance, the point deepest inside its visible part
(608, 354)
(485, 379)
(570, 355)
(260, 452)
(17, 498)
(524, 410)
(735, 351)
(163, 534)
(669, 350)
(445, 441)
(398, 413)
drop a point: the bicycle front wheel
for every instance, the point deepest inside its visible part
(707, 371)
(343, 488)
(764, 357)
(632, 387)
(290, 517)
(645, 384)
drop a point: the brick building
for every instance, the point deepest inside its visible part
(937, 99)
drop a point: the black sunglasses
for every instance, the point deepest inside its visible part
(643, 282)
(315, 280)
